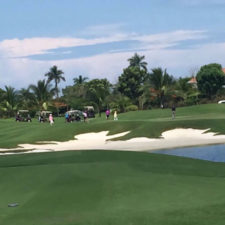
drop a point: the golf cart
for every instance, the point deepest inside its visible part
(74, 116)
(90, 111)
(23, 116)
(43, 116)
(221, 102)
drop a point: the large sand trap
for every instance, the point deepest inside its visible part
(89, 141)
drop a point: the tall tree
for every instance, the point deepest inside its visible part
(26, 98)
(75, 96)
(210, 79)
(131, 81)
(161, 83)
(1, 94)
(42, 92)
(186, 92)
(137, 61)
(118, 102)
(10, 100)
(79, 86)
(98, 90)
(55, 75)
(80, 80)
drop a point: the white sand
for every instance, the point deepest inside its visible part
(89, 141)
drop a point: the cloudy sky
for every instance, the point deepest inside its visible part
(94, 38)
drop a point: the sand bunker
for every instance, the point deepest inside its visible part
(99, 141)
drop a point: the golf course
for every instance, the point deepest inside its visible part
(147, 123)
(111, 187)
(112, 112)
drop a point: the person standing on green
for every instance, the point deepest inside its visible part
(107, 113)
(51, 120)
(173, 111)
(115, 115)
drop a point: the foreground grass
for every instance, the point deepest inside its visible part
(104, 187)
(150, 123)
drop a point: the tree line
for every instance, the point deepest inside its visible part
(136, 88)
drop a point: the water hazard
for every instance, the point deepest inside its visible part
(215, 153)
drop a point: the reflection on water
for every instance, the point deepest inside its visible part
(215, 153)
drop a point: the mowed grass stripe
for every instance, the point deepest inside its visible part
(106, 187)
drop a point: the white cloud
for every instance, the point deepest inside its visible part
(180, 61)
(103, 30)
(20, 72)
(174, 37)
(34, 46)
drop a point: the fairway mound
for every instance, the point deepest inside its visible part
(102, 141)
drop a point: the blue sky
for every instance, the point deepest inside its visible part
(95, 38)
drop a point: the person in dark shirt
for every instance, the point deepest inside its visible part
(173, 111)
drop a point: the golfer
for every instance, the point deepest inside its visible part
(173, 111)
(51, 120)
(85, 116)
(115, 115)
(107, 112)
(67, 117)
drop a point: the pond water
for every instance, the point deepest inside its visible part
(215, 153)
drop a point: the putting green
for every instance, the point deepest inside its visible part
(105, 187)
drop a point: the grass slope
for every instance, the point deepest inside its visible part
(105, 187)
(150, 123)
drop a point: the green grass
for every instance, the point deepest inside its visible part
(149, 123)
(111, 188)
(106, 187)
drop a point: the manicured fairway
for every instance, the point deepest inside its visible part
(106, 187)
(149, 123)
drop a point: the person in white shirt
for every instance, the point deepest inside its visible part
(115, 115)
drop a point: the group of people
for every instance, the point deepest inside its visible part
(76, 116)
(107, 113)
(20, 118)
(115, 117)
(42, 119)
(71, 118)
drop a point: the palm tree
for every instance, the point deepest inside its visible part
(80, 80)
(10, 97)
(26, 98)
(186, 92)
(42, 92)
(119, 102)
(137, 61)
(56, 75)
(79, 86)
(98, 90)
(1, 94)
(161, 82)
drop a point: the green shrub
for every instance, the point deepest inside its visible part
(131, 108)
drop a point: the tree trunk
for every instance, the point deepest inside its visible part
(57, 96)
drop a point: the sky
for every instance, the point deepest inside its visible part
(94, 38)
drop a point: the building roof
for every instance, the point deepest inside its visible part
(192, 81)
(223, 69)
(59, 104)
